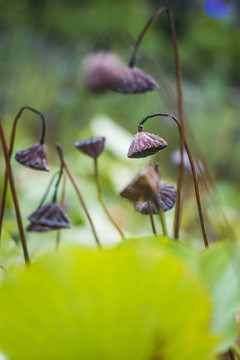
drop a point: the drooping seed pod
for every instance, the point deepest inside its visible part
(33, 157)
(145, 144)
(143, 187)
(164, 200)
(135, 81)
(40, 228)
(102, 71)
(50, 214)
(93, 146)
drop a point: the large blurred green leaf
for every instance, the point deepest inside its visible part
(10, 257)
(217, 265)
(133, 302)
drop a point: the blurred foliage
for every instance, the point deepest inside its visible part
(111, 304)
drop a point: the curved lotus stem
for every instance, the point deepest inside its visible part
(4, 192)
(177, 216)
(151, 217)
(194, 173)
(14, 194)
(71, 178)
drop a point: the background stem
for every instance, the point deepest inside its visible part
(151, 217)
(71, 178)
(102, 201)
(14, 194)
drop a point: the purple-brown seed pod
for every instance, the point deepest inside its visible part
(145, 144)
(144, 186)
(93, 146)
(33, 157)
(135, 81)
(50, 215)
(165, 200)
(102, 71)
(40, 228)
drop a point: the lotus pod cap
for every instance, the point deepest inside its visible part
(34, 157)
(145, 185)
(145, 144)
(39, 228)
(165, 199)
(135, 81)
(93, 146)
(50, 214)
(102, 71)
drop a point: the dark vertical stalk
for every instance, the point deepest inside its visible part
(194, 173)
(4, 192)
(177, 215)
(102, 201)
(14, 194)
(62, 205)
(71, 178)
(151, 217)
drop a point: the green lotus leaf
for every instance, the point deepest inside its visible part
(133, 302)
(219, 266)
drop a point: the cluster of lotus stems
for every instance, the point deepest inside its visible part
(105, 71)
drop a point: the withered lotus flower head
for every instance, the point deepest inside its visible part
(93, 146)
(40, 228)
(145, 144)
(102, 71)
(165, 200)
(50, 215)
(34, 157)
(135, 81)
(143, 187)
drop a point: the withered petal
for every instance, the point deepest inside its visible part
(33, 157)
(93, 146)
(145, 144)
(135, 81)
(50, 214)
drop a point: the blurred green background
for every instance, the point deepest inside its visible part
(43, 45)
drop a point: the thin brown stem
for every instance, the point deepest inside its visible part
(102, 201)
(193, 168)
(178, 207)
(151, 217)
(58, 237)
(71, 178)
(14, 194)
(12, 139)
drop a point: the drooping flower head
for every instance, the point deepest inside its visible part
(93, 146)
(133, 81)
(33, 157)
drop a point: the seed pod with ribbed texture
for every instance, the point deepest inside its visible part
(144, 186)
(145, 144)
(33, 157)
(40, 228)
(50, 214)
(164, 200)
(135, 81)
(93, 146)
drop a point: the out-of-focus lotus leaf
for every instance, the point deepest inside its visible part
(218, 267)
(10, 257)
(133, 302)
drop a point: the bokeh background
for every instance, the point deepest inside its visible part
(43, 47)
